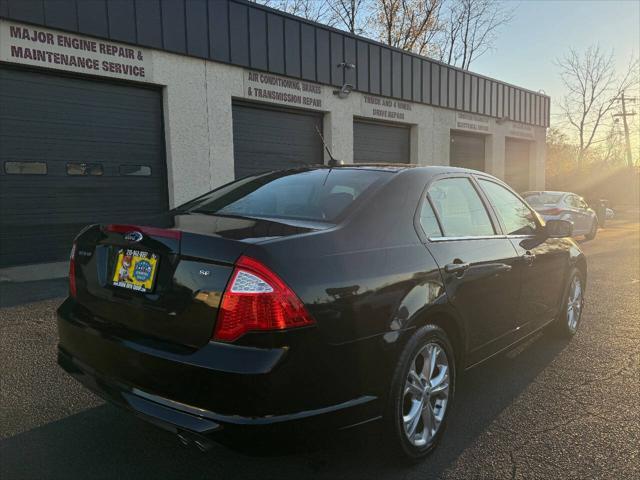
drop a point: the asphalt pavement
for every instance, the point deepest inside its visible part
(548, 409)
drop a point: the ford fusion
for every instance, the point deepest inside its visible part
(316, 298)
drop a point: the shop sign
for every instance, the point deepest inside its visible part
(386, 108)
(472, 123)
(42, 47)
(293, 92)
(521, 130)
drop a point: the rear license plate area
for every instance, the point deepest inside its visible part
(135, 270)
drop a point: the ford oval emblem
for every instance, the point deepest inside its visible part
(133, 236)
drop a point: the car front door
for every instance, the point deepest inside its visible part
(542, 260)
(586, 214)
(577, 216)
(477, 262)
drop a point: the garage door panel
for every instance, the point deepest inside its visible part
(467, 151)
(127, 152)
(29, 248)
(49, 125)
(272, 139)
(59, 120)
(64, 89)
(73, 91)
(89, 200)
(83, 128)
(84, 143)
(380, 143)
(83, 111)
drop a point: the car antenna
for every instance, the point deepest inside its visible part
(332, 161)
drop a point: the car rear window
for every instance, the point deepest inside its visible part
(543, 198)
(316, 195)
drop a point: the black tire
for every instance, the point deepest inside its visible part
(594, 230)
(562, 327)
(429, 334)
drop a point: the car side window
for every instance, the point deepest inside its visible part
(572, 200)
(428, 220)
(460, 209)
(517, 218)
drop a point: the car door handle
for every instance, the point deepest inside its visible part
(528, 258)
(457, 268)
(498, 267)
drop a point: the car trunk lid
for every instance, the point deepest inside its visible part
(192, 257)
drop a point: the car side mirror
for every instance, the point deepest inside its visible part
(558, 228)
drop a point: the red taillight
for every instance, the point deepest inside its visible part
(256, 299)
(551, 211)
(72, 271)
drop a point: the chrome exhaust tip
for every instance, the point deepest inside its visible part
(188, 439)
(202, 445)
(183, 439)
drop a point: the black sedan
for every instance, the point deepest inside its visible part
(315, 298)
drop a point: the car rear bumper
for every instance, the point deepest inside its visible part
(167, 417)
(217, 387)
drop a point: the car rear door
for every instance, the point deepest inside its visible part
(541, 261)
(477, 262)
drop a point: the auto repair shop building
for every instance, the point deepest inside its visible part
(110, 110)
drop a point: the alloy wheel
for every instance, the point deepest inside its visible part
(425, 394)
(574, 303)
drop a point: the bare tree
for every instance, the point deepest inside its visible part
(469, 28)
(613, 150)
(349, 14)
(592, 86)
(407, 24)
(456, 32)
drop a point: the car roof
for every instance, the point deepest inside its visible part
(399, 167)
(552, 192)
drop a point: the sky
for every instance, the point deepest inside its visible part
(543, 30)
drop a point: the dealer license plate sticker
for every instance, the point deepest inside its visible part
(135, 270)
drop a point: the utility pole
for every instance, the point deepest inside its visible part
(624, 116)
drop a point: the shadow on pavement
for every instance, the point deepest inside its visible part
(105, 442)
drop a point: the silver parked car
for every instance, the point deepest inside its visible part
(610, 214)
(565, 206)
